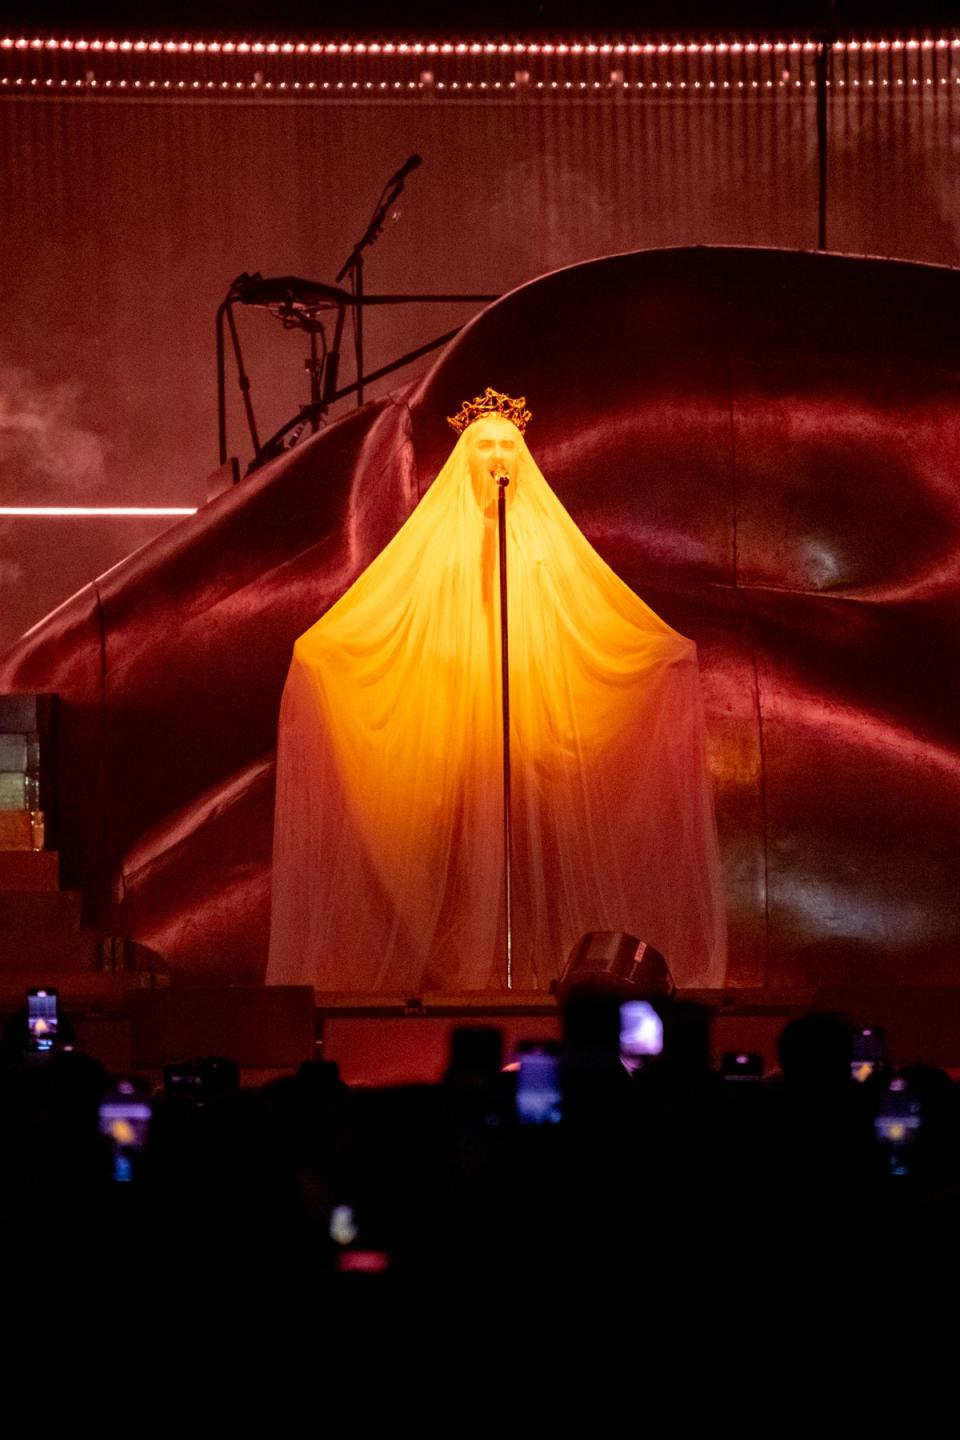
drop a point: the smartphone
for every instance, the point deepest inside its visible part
(343, 1225)
(539, 1095)
(125, 1120)
(42, 1018)
(641, 1033)
(868, 1052)
(897, 1124)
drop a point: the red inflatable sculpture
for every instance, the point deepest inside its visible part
(764, 445)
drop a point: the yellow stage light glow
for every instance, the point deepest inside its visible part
(388, 853)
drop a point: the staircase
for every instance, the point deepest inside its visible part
(43, 941)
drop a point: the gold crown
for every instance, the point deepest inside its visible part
(491, 402)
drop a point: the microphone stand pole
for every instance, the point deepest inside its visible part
(503, 481)
(353, 265)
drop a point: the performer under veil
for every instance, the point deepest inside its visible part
(388, 839)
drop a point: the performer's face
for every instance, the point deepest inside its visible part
(493, 445)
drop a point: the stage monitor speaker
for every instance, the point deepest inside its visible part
(615, 963)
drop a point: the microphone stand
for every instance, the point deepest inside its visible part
(503, 480)
(353, 265)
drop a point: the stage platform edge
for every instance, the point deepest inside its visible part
(379, 1039)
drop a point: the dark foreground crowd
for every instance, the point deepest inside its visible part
(670, 1185)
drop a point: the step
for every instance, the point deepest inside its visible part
(48, 952)
(18, 754)
(18, 790)
(40, 910)
(29, 870)
(21, 829)
(26, 714)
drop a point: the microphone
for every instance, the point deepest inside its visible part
(405, 169)
(498, 472)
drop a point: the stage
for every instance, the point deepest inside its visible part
(808, 550)
(755, 436)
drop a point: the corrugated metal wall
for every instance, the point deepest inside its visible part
(137, 182)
